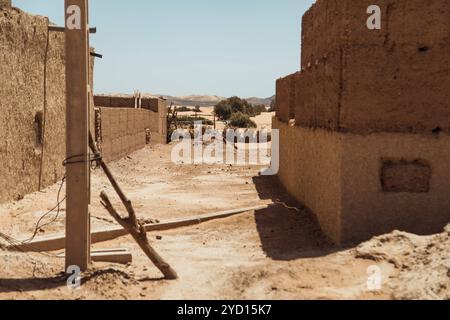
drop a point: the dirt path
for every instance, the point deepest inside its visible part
(276, 253)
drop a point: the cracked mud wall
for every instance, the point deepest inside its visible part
(371, 97)
(33, 106)
(31, 75)
(358, 80)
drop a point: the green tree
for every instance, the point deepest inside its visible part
(223, 111)
(241, 120)
(226, 108)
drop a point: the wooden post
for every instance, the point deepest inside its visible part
(77, 118)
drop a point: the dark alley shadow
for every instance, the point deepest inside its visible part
(287, 234)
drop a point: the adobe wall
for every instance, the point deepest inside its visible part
(394, 181)
(30, 73)
(359, 186)
(285, 97)
(331, 24)
(123, 131)
(309, 170)
(156, 112)
(379, 100)
(153, 104)
(389, 80)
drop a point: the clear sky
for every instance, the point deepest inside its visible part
(180, 47)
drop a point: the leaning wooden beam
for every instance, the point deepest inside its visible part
(137, 231)
(57, 242)
(126, 202)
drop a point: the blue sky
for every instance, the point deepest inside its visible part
(180, 47)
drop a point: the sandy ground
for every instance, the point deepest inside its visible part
(276, 253)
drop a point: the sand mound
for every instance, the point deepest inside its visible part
(423, 263)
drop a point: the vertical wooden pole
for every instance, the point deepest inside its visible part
(77, 134)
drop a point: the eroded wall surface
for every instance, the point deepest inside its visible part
(31, 75)
(310, 172)
(155, 115)
(394, 181)
(33, 107)
(125, 130)
(358, 80)
(384, 95)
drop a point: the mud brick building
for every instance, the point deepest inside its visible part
(33, 108)
(121, 128)
(32, 103)
(364, 125)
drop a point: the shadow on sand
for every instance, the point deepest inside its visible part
(287, 234)
(31, 284)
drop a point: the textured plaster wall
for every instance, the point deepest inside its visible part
(372, 117)
(31, 75)
(338, 177)
(155, 115)
(358, 80)
(310, 172)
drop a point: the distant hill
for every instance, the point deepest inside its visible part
(264, 101)
(209, 101)
(200, 100)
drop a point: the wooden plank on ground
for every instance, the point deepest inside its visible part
(57, 242)
(120, 256)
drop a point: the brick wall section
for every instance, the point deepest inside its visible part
(103, 101)
(114, 102)
(156, 113)
(389, 80)
(124, 130)
(318, 93)
(286, 97)
(117, 102)
(331, 24)
(152, 104)
(408, 93)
